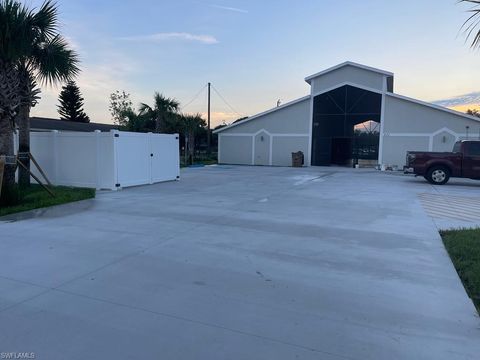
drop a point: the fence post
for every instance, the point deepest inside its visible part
(54, 179)
(177, 147)
(114, 135)
(150, 139)
(97, 159)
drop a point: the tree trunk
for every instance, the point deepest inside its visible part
(23, 122)
(9, 101)
(191, 147)
(6, 148)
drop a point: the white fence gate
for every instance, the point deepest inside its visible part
(108, 160)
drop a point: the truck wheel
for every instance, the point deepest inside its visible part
(438, 175)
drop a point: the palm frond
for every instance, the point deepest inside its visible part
(191, 123)
(165, 104)
(16, 34)
(471, 26)
(144, 109)
(54, 61)
(45, 20)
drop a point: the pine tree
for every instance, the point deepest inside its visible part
(71, 104)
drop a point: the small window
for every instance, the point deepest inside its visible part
(473, 148)
(457, 147)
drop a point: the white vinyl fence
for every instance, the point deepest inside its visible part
(106, 160)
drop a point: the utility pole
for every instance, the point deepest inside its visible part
(208, 123)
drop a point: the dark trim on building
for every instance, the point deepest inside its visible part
(48, 124)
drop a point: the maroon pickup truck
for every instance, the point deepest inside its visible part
(439, 167)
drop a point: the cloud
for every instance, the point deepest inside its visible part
(171, 36)
(220, 117)
(456, 101)
(97, 81)
(229, 8)
(72, 43)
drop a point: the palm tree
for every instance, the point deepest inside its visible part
(14, 37)
(190, 126)
(473, 112)
(49, 61)
(29, 50)
(163, 111)
(472, 25)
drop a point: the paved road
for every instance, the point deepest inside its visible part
(239, 263)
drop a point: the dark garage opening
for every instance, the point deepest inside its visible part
(335, 116)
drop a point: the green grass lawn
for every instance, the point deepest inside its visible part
(207, 162)
(200, 162)
(35, 197)
(464, 249)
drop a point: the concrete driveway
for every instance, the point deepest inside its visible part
(239, 263)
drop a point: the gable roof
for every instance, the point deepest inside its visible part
(41, 123)
(262, 114)
(348, 63)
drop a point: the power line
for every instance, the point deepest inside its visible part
(194, 98)
(226, 102)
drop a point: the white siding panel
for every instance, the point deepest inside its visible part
(348, 74)
(403, 116)
(283, 146)
(236, 145)
(290, 119)
(395, 148)
(235, 149)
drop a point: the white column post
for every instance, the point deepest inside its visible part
(382, 124)
(310, 125)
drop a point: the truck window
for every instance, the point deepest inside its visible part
(473, 148)
(457, 147)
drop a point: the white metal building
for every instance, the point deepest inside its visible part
(322, 124)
